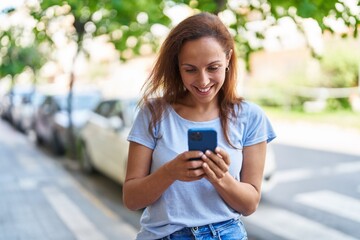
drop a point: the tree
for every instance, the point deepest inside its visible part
(131, 25)
(18, 52)
(269, 12)
(89, 19)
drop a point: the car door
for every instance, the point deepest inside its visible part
(94, 134)
(116, 144)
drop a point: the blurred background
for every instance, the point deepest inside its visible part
(70, 78)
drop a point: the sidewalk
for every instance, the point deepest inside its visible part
(318, 136)
(41, 201)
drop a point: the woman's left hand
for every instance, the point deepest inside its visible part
(215, 164)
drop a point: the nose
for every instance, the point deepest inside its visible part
(204, 79)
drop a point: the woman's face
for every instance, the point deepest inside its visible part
(202, 64)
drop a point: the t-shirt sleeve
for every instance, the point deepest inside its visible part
(258, 127)
(139, 132)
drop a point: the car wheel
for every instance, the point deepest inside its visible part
(38, 138)
(56, 146)
(86, 164)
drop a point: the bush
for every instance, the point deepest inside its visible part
(340, 67)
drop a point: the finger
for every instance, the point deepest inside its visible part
(193, 155)
(224, 155)
(209, 173)
(214, 167)
(195, 173)
(194, 164)
(220, 162)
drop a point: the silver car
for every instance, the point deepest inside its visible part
(52, 125)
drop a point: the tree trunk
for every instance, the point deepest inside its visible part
(72, 148)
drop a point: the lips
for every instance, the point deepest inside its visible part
(204, 90)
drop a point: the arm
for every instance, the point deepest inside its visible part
(243, 196)
(141, 188)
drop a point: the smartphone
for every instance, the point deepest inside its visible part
(202, 139)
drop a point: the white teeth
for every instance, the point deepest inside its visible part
(204, 89)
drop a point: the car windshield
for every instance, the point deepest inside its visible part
(37, 99)
(79, 101)
(19, 94)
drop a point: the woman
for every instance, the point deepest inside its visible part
(193, 85)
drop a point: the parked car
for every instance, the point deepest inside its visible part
(12, 99)
(23, 113)
(104, 145)
(51, 123)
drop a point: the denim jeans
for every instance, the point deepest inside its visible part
(228, 230)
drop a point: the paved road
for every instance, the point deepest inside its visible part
(40, 200)
(317, 190)
(317, 196)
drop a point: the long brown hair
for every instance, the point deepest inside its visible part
(165, 83)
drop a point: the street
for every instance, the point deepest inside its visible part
(316, 196)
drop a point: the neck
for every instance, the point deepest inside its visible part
(197, 111)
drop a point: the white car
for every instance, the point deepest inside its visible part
(104, 145)
(103, 139)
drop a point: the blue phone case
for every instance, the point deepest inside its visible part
(202, 139)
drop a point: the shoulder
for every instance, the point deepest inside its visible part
(153, 104)
(247, 108)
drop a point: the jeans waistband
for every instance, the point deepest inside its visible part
(209, 228)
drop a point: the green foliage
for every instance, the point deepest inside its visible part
(316, 9)
(338, 104)
(119, 19)
(338, 68)
(15, 58)
(340, 65)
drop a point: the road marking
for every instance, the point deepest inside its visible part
(306, 173)
(27, 183)
(349, 167)
(94, 200)
(72, 216)
(122, 227)
(333, 203)
(288, 225)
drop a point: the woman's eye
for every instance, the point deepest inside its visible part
(213, 69)
(190, 70)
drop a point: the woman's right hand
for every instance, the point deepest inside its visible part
(183, 169)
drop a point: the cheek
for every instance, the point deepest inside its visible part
(186, 78)
(220, 77)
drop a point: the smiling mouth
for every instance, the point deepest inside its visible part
(203, 90)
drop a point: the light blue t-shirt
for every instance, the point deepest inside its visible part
(189, 204)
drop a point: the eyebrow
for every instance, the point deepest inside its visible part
(190, 65)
